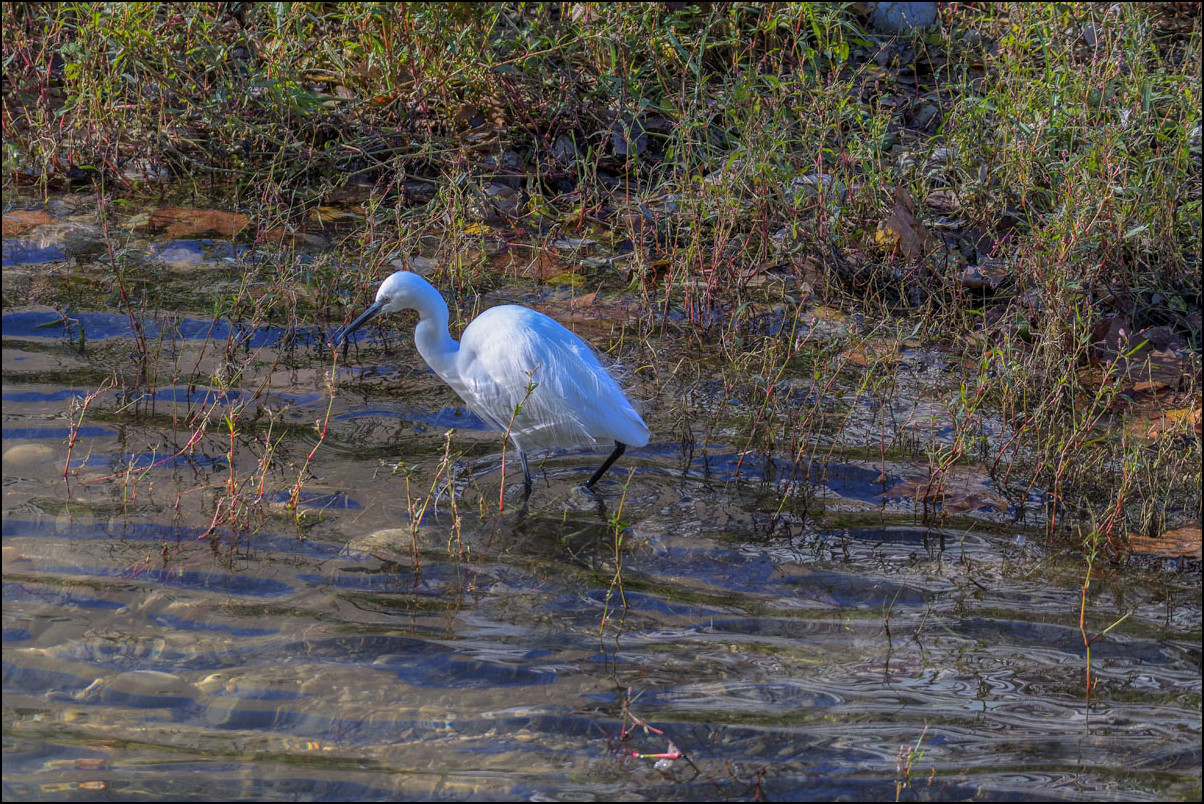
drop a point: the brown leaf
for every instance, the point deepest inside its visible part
(872, 351)
(1147, 358)
(1157, 424)
(583, 13)
(591, 317)
(960, 491)
(544, 265)
(20, 221)
(584, 300)
(810, 270)
(184, 222)
(901, 230)
(1172, 544)
(279, 234)
(1162, 338)
(1156, 387)
(348, 195)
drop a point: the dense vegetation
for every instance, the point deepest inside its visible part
(1021, 181)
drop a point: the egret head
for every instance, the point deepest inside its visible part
(401, 291)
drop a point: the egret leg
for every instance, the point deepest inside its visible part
(619, 447)
(522, 456)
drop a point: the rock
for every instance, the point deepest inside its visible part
(565, 150)
(897, 18)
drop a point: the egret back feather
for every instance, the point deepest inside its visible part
(511, 356)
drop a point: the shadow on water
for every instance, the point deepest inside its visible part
(710, 624)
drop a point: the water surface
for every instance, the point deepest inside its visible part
(711, 625)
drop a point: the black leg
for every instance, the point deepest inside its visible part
(522, 456)
(619, 447)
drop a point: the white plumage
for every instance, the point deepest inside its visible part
(519, 370)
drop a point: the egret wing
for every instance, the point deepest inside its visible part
(524, 372)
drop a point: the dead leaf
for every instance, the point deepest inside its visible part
(591, 317)
(1147, 358)
(1183, 541)
(348, 195)
(961, 490)
(1157, 424)
(1109, 335)
(279, 234)
(901, 230)
(184, 222)
(810, 270)
(1156, 387)
(20, 221)
(544, 265)
(875, 352)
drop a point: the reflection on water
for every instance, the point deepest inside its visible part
(374, 649)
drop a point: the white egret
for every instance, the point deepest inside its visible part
(520, 371)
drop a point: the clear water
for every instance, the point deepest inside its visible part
(697, 630)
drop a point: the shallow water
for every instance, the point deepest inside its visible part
(698, 629)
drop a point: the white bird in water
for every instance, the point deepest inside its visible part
(520, 371)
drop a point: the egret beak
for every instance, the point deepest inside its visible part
(372, 312)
